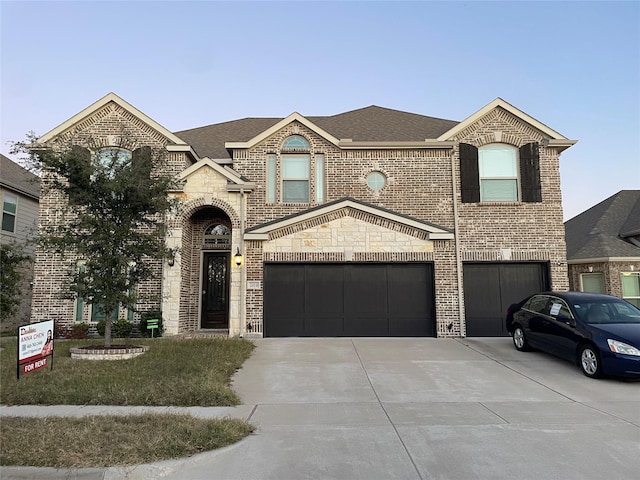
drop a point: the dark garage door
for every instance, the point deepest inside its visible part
(489, 288)
(353, 300)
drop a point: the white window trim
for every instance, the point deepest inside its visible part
(516, 178)
(15, 215)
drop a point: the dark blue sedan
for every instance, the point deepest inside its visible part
(600, 333)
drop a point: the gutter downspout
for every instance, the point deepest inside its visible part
(463, 332)
(243, 272)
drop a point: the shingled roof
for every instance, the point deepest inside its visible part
(373, 123)
(18, 179)
(606, 229)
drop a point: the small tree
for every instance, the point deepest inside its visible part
(116, 202)
(11, 256)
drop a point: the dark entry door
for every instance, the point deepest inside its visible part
(215, 290)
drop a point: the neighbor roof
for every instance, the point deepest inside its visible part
(605, 229)
(17, 178)
(373, 124)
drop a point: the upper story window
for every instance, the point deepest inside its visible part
(295, 178)
(295, 175)
(296, 142)
(9, 209)
(376, 181)
(111, 158)
(498, 169)
(500, 173)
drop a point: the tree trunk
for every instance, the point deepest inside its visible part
(107, 331)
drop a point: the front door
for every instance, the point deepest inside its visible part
(215, 290)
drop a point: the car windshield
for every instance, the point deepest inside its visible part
(607, 312)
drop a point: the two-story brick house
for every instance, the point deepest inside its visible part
(373, 222)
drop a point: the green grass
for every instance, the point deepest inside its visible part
(173, 372)
(103, 441)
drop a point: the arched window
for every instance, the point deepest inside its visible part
(498, 169)
(217, 234)
(112, 157)
(295, 142)
(500, 173)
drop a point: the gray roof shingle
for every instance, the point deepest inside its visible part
(603, 230)
(373, 123)
(19, 179)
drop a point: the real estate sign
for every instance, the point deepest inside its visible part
(35, 346)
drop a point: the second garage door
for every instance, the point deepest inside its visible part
(354, 300)
(489, 288)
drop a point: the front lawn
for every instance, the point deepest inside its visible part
(174, 372)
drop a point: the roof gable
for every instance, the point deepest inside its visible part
(96, 106)
(232, 176)
(432, 231)
(555, 138)
(294, 117)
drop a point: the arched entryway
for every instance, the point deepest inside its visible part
(210, 246)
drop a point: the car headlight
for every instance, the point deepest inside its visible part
(623, 348)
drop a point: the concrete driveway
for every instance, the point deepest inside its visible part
(417, 409)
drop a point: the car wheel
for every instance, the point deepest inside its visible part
(589, 361)
(520, 339)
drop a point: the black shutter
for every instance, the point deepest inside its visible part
(78, 161)
(530, 173)
(469, 174)
(141, 161)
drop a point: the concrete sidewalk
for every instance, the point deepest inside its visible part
(403, 409)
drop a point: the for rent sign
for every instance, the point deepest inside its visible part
(35, 346)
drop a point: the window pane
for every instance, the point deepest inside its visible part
(8, 222)
(630, 285)
(295, 191)
(295, 167)
(499, 190)
(498, 161)
(295, 142)
(9, 204)
(319, 178)
(97, 313)
(592, 282)
(79, 307)
(271, 178)
(376, 181)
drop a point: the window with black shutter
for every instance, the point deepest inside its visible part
(500, 173)
(78, 161)
(530, 173)
(469, 174)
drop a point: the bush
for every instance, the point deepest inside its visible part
(120, 328)
(151, 315)
(78, 331)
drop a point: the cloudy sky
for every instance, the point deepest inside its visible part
(574, 66)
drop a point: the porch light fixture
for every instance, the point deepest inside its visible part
(171, 260)
(238, 258)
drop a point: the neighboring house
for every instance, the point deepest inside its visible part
(373, 222)
(603, 247)
(20, 192)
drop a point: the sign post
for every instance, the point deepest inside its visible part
(35, 347)
(152, 325)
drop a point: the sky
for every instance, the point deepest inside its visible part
(574, 66)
